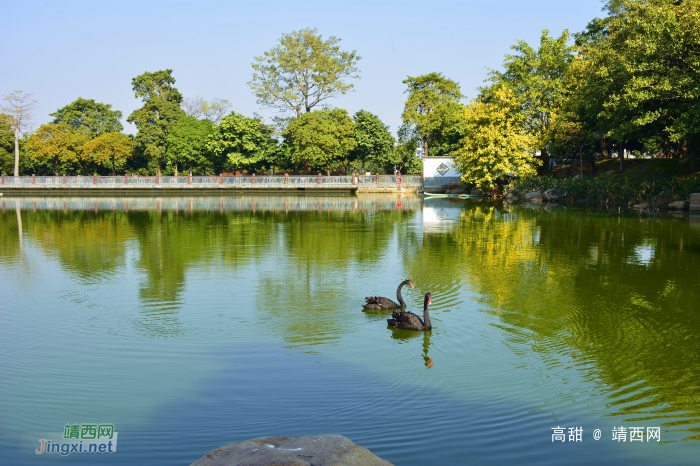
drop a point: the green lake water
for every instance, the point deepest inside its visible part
(189, 323)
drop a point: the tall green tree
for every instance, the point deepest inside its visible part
(643, 77)
(89, 117)
(302, 71)
(373, 140)
(322, 137)
(536, 77)
(160, 112)
(428, 105)
(445, 139)
(186, 143)
(241, 142)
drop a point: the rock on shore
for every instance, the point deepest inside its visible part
(319, 450)
(535, 196)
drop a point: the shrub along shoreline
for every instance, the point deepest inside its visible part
(616, 188)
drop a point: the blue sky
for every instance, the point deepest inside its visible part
(62, 50)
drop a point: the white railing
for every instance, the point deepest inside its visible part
(214, 181)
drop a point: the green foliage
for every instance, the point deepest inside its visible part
(110, 150)
(240, 142)
(7, 145)
(213, 111)
(322, 137)
(536, 79)
(58, 143)
(89, 117)
(495, 144)
(186, 144)
(374, 142)
(160, 112)
(630, 188)
(302, 71)
(652, 57)
(430, 97)
(445, 140)
(402, 157)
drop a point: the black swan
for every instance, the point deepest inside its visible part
(380, 302)
(405, 319)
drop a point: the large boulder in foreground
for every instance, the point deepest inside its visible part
(317, 450)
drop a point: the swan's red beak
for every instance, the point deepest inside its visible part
(430, 300)
(411, 283)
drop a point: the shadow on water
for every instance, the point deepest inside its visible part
(265, 391)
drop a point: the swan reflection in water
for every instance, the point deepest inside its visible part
(406, 335)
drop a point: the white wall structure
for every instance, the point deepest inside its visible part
(439, 171)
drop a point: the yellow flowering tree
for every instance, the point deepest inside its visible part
(57, 142)
(110, 149)
(495, 144)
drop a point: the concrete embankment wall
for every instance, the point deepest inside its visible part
(189, 190)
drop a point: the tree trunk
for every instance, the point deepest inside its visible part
(56, 164)
(113, 165)
(306, 167)
(691, 153)
(328, 168)
(175, 168)
(621, 156)
(159, 160)
(665, 147)
(425, 146)
(190, 168)
(17, 152)
(545, 159)
(604, 148)
(298, 109)
(296, 168)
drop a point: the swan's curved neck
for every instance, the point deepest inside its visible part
(426, 318)
(399, 297)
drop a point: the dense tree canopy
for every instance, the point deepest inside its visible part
(429, 103)
(160, 112)
(89, 117)
(186, 144)
(110, 149)
(59, 143)
(536, 77)
(373, 141)
(242, 143)
(496, 144)
(321, 137)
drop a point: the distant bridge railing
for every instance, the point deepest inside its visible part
(265, 181)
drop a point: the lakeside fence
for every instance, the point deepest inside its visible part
(248, 181)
